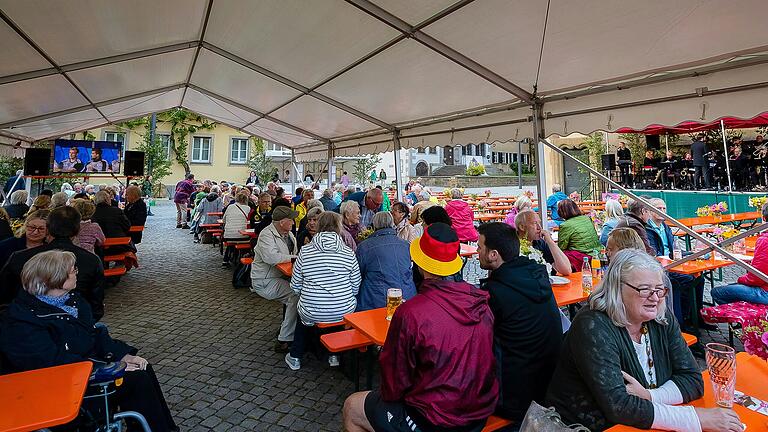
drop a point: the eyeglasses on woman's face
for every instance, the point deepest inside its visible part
(646, 291)
(35, 228)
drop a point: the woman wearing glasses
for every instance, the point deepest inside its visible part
(624, 360)
(33, 233)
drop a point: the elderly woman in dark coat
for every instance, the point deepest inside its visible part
(135, 210)
(48, 324)
(624, 360)
(385, 262)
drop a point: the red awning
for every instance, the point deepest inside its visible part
(691, 126)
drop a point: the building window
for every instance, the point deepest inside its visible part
(238, 151)
(165, 141)
(273, 147)
(201, 149)
(115, 137)
(432, 150)
(482, 150)
(420, 150)
(526, 159)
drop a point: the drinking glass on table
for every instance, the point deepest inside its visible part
(721, 364)
(394, 299)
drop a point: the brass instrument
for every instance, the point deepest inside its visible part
(761, 151)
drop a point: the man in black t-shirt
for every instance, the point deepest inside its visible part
(625, 162)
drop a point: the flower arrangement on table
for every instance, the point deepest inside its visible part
(758, 202)
(754, 336)
(712, 210)
(527, 250)
(724, 232)
(529, 194)
(473, 196)
(575, 196)
(483, 203)
(487, 192)
(624, 200)
(364, 234)
(598, 218)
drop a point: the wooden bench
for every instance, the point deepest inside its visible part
(246, 260)
(136, 228)
(690, 339)
(348, 340)
(116, 241)
(329, 325)
(114, 271)
(495, 423)
(115, 258)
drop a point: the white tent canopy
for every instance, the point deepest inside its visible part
(354, 74)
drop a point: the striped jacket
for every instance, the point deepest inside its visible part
(326, 277)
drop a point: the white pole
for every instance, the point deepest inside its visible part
(725, 147)
(398, 163)
(666, 141)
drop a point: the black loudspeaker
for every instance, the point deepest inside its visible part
(609, 162)
(37, 162)
(134, 163)
(652, 142)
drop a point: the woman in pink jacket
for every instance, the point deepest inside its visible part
(462, 217)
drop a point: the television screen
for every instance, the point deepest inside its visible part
(87, 156)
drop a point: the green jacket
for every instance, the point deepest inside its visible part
(587, 386)
(579, 234)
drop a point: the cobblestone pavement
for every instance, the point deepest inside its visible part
(212, 344)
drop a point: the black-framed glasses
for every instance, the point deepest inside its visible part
(32, 228)
(647, 291)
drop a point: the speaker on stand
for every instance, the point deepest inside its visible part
(133, 163)
(608, 162)
(37, 162)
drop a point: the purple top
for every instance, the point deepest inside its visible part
(90, 235)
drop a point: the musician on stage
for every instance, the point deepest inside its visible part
(700, 163)
(650, 168)
(760, 155)
(624, 157)
(739, 168)
(668, 169)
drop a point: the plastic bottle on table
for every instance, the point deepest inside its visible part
(586, 277)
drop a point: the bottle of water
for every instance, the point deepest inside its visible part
(586, 277)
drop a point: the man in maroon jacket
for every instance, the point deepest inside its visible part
(437, 364)
(184, 190)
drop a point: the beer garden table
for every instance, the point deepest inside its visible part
(751, 379)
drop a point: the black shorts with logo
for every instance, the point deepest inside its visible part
(397, 417)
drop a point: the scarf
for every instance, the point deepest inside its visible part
(59, 302)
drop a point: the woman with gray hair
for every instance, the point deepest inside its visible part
(310, 227)
(613, 214)
(18, 207)
(50, 324)
(350, 213)
(59, 199)
(624, 360)
(385, 262)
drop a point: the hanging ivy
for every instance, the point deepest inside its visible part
(183, 123)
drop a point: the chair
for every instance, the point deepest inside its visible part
(348, 340)
(734, 314)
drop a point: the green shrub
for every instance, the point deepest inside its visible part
(475, 170)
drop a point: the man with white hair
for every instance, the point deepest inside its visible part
(15, 183)
(18, 204)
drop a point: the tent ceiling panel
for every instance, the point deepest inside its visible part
(413, 12)
(60, 125)
(410, 81)
(306, 42)
(139, 106)
(30, 98)
(625, 38)
(505, 36)
(78, 30)
(18, 55)
(666, 103)
(236, 82)
(216, 109)
(134, 76)
(277, 133)
(321, 118)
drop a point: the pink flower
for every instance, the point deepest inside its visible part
(765, 338)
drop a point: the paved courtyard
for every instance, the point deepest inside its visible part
(212, 344)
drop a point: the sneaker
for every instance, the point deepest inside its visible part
(333, 361)
(178, 225)
(185, 226)
(292, 362)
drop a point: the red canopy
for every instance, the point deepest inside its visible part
(692, 126)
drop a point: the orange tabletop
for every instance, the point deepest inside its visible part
(690, 339)
(136, 228)
(571, 293)
(468, 250)
(711, 220)
(372, 323)
(485, 217)
(248, 232)
(696, 266)
(42, 398)
(116, 241)
(499, 207)
(750, 243)
(215, 213)
(286, 268)
(751, 379)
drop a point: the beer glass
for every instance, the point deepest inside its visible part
(394, 298)
(721, 364)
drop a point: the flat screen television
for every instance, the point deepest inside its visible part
(71, 156)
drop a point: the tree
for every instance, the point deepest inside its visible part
(156, 163)
(595, 146)
(183, 122)
(259, 161)
(363, 168)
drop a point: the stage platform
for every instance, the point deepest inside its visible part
(683, 204)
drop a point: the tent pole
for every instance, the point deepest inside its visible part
(727, 158)
(293, 171)
(710, 244)
(398, 174)
(519, 165)
(331, 165)
(666, 141)
(541, 175)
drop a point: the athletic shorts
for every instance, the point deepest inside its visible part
(394, 417)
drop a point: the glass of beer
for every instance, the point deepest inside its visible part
(394, 298)
(721, 363)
